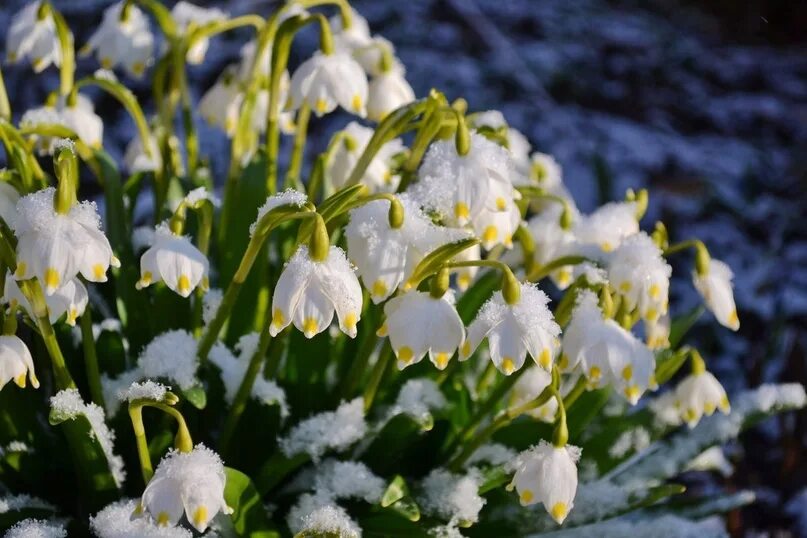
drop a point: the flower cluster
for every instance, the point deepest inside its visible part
(269, 310)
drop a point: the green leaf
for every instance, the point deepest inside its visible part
(390, 446)
(386, 523)
(249, 518)
(397, 498)
(439, 256)
(494, 477)
(196, 395)
(276, 468)
(681, 325)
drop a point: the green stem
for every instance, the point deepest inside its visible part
(244, 390)
(296, 159)
(545, 270)
(91, 358)
(385, 359)
(577, 391)
(5, 107)
(188, 128)
(359, 364)
(146, 468)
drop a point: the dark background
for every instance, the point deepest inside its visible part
(704, 103)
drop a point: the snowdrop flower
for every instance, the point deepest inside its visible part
(354, 37)
(607, 353)
(327, 80)
(657, 332)
(552, 241)
(517, 144)
(466, 275)
(700, 394)
(384, 256)
(55, 247)
(78, 116)
(15, 362)
(8, 202)
(718, 293)
(123, 38)
(174, 260)
(387, 92)
(136, 159)
(528, 387)
(418, 323)
(189, 15)
(475, 188)
(309, 291)
(186, 482)
(607, 226)
(548, 474)
(221, 104)
(32, 34)
(545, 171)
(70, 300)
(514, 330)
(641, 276)
(379, 175)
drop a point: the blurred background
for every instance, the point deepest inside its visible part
(704, 103)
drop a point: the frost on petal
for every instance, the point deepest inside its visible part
(147, 390)
(289, 197)
(335, 430)
(115, 521)
(67, 405)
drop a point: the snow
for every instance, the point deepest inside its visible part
(331, 430)
(451, 496)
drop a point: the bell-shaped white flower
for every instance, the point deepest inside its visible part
(641, 276)
(70, 300)
(384, 256)
(717, 291)
(607, 226)
(78, 116)
(354, 37)
(16, 362)
(475, 188)
(517, 144)
(515, 330)
(221, 104)
(700, 394)
(327, 80)
(379, 174)
(606, 353)
(547, 474)
(32, 35)
(309, 291)
(186, 482)
(545, 171)
(136, 159)
(552, 241)
(528, 387)
(173, 259)
(466, 275)
(387, 92)
(8, 202)
(657, 332)
(418, 323)
(188, 15)
(55, 247)
(123, 38)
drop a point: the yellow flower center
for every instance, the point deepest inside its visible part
(461, 211)
(442, 360)
(526, 496)
(405, 354)
(508, 366)
(309, 327)
(184, 285)
(51, 278)
(559, 511)
(98, 271)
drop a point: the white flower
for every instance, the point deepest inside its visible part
(136, 159)
(221, 104)
(607, 226)
(378, 176)
(357, 35)
(327, 80)
(55, 247)
(606, 352)
(70, 299)
(33, 37)
(308, 292)
(174, 260)
(717, 291)
(528, 387)
(546, 171)
(384, 256)
(186, 15)
(657, 332)
(641, 276)
(123, 40)
(371, 56)
(548, 474)
(15, 362)
(515, 330)
(418, 323)
(475, 188)
(552, 241)
(700, 394)
(190, 482)
(517, 144)
(466, 275)
(8, 202)
(386, 93)
(80, 117)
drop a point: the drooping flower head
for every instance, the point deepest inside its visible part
(700, 394)
(607, 226)
(606, 353)
(8, 201)
(186, 482)
(717, 291)
(16, 362)
(327, 80)
(174, 260)
(528, 387)
(418, 323)
(547, 474)
(55, 247)
(308, 293)
(32, 35)
(77, 115)
(70, 300)
(351, 38)
(641, 276)
(515, 330)
(387, 92)
(379, 174)
(189, 15)
(123, 38)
